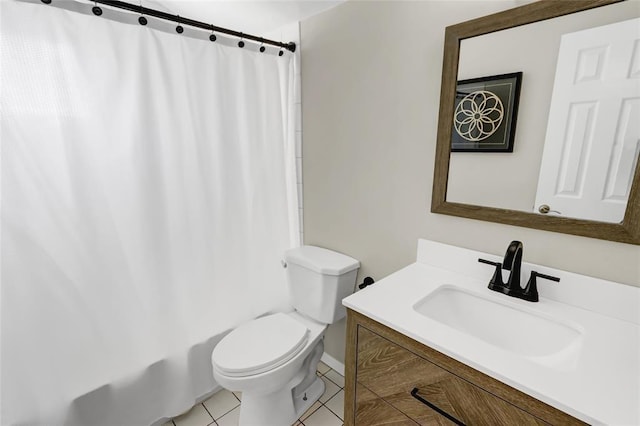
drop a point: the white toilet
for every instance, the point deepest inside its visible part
(272, 360)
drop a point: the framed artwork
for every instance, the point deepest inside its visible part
(484, 118)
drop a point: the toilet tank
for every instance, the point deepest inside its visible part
(318, 280)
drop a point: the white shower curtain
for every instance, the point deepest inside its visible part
(148, 193)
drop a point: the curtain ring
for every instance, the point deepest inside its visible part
(241, 43)
(179, 28)
(46, 1)
(96, 10)
(280, 53)
(142, 20)
(212, 37)
(262, 48)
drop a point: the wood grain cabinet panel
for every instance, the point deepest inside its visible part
(372, 410)
(383, 367)
(392, 372)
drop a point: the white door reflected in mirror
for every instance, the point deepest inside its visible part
(592, 143)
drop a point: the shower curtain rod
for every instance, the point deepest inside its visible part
(191, 22)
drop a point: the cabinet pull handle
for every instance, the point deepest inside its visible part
(414, 393)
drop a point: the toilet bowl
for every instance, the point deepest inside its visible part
(268, 361)
(273, 359)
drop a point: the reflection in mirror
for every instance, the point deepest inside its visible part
(593, 132)
(577, 137)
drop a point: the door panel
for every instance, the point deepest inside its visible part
(592, 142)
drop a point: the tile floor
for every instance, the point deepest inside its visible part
(223, 408)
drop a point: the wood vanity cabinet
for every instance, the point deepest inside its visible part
(394, 380)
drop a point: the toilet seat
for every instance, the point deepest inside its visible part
(260, 345)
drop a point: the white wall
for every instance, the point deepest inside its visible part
(371, 87)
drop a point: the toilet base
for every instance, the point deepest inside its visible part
(313, 393)
(281, 408)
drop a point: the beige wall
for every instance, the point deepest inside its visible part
(370, 93)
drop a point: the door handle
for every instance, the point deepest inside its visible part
(544, 209)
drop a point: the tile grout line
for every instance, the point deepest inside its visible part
(329, 378)
(216, 420)
(332, 412)
(335, 414)
(210, 415)
(322, 404)
(316, 410)
(311, 413)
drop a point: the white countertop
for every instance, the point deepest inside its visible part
(601, 387)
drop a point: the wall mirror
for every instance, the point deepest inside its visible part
(566, 149)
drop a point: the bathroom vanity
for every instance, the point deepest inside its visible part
(396, 378)
(430, 344)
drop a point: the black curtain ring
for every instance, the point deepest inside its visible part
(96, 10)
(179, 28)
(142, 20)
(280, 53)
(213, 37)
(241, 42)
(46, 1)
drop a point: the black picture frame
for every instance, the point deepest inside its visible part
(485, 113)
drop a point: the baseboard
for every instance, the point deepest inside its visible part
(333, 363)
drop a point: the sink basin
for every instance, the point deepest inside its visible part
(523, 331)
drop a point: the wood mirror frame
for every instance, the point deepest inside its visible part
(627, 232)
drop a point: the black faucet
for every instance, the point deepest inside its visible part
(513, 262)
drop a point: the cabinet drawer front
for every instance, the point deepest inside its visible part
(392, 372)
(371, 410)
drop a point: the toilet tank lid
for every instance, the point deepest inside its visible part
(321, 260)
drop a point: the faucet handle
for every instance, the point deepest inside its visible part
(544, 276)
(530, 292)
(496, 280)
